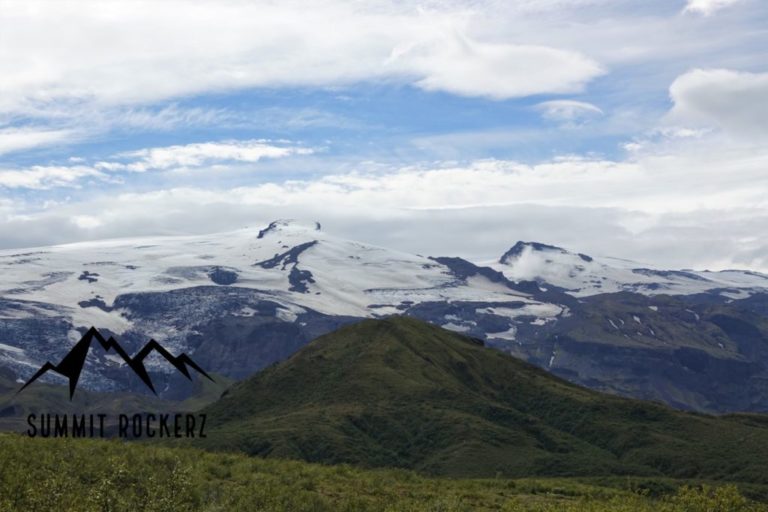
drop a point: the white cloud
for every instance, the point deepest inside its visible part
(734, 102)
(86, 222)
(167, 118)
(68, 123)
(45, 177)
(707, 7)
(458, 64)
(110, 52)
(568, 111)
(654, 184)
(211, 154)
(196, 155)
(18, 139)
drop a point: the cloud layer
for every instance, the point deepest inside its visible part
(176, 158)
(113, 52)
(696, 208)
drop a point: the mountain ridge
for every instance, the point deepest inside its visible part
(242, 300)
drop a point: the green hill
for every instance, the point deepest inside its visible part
(402, 393)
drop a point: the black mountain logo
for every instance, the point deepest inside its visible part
(72, 364)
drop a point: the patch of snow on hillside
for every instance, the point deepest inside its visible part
(455, 327)
(510, 334)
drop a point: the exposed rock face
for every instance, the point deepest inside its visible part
(222, 276)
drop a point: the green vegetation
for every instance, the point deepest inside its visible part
(85, 475)
(398, 393)
(402, 393)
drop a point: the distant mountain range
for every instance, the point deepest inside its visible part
(403, 393)
(238, 302)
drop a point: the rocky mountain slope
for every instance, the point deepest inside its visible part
(237, 302)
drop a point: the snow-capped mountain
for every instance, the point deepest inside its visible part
(172, 288)
(292, 263)
(239, 301)
(581, 275)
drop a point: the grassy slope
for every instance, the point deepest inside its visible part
(402, 393)
(83, 475)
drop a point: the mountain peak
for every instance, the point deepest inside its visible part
(521, 247)
(282, 225)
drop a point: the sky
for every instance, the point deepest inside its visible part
(625, 128)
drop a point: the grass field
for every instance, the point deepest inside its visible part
(90, 475)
